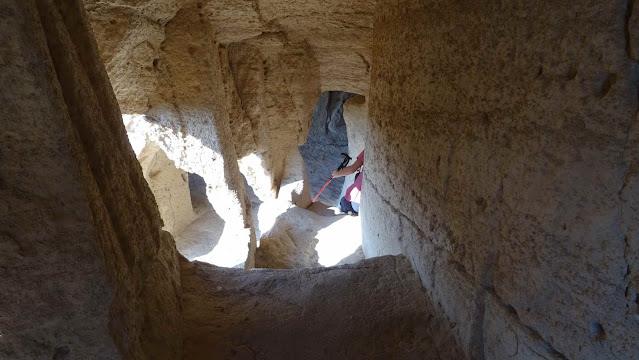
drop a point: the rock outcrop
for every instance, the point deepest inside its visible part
(240, 77)
(86, 270)
(170, 187)
(313, 237)
(328, 313)
(502, 161)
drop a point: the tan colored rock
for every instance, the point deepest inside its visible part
(190, 106)
(277, 89)
(129, 36)
(503, 140)
(303, 238)
(502, 162)
(274, 56)
(338, 32)
(87, 271)
(170, 187)
(311, 313)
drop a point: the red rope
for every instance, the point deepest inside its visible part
(325, 185)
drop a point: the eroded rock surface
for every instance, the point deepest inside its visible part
(170, 187)
(274, 59)
(501, 160)
(85, 269)
(375, 309)
(313, 237)
(504, 143)
(240, 77)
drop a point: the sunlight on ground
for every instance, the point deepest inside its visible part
(228, 252)
(305, 237)
(339, 240)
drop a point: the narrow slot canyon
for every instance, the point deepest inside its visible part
(160, 161)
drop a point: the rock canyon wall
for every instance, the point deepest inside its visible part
(213, 82)
(86, 270)
(502, 160)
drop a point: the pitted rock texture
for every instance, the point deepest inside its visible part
(85, 269)
(375, 309)
(273, 84)
(189, 120)
(244, 93)
(337, 32)
(504, 141)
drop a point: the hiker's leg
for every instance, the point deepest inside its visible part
(344, 205)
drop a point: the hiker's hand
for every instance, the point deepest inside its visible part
(336, 173)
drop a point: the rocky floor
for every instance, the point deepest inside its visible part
(314, 237)
(374, 309)
(288, 236)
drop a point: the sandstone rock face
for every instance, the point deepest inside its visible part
(504, 142)
(326, 313)
(86, 270)
(337, 32)
(190, 153)
(502, 162)
(170, 187)
(220, 81)
(129, 35)
(240, 77)
(276, 87)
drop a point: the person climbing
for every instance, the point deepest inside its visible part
(350, 201)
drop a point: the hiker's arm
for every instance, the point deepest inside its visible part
(349, 169)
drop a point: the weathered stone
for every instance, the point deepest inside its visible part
(502, 149)
(503, 136)
(311, 313)
(87, 271)
(170, 187)
(357, 123)
(303, 238)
